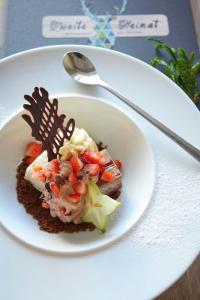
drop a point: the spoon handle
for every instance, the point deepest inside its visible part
(193, 151)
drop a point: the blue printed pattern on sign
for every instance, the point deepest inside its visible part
(104, 36)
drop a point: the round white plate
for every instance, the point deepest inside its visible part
(131, 267)
(104, 122)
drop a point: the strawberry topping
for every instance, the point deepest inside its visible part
(37, 168)
(56, 166)
(108, 176)
(92, 169)
(55, 189)
(80, 188)
(45, 205)
(72, 178)
(74, 198)
(76, 163)
(91, 157)
(41, 176)
(30, 160)
(33, 150)
(118, 163)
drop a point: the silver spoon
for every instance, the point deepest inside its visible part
(81, 69)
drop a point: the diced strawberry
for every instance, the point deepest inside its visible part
(76, 163)
(45, 205)
(118, 163)
(48, 174)
(102, 167)
(80, 188)
(56, 166)
(108, 176)
(63, 211)
(74, 198)
(72, 178)
(55, 189)
(30, 160)
(33, 149)
(92, 169)
(91, 157)
(41, 176)
(37, 168)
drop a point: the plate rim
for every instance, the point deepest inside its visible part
(133, 59)
(98, 49)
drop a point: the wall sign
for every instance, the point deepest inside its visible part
(103, 30)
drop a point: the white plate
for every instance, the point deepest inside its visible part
(125, 141)
(132, 267)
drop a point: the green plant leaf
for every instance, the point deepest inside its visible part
(178, 67)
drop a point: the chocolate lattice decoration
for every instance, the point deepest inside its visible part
(47, 126)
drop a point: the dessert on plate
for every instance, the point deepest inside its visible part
(66, 181)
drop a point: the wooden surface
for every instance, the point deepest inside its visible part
(188, 286)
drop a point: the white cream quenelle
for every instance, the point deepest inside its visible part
(79, 142)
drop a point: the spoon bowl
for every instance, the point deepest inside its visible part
(80, 68)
